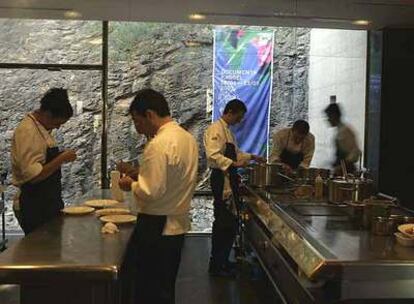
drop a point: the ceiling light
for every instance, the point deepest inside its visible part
(196, 17)
(71, 14)
(361, 22)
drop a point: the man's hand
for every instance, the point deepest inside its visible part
(287, 168)
(240, 163)
(258, 158)
(125, 183)
(124, 167)
(68, 156)
(128, 169)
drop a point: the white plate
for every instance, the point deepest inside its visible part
(100, 203)
(404, 240)
(403, 229)
(118, 218)
(77, 210)
(111, 211)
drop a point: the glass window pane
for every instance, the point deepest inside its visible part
(176, 59)
(20, 92)
(50, 41)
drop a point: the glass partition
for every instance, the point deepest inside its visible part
(50, 41)
(20, 92)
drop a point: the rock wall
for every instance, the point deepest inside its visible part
(176, 59)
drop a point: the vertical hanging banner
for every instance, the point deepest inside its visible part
(243, 69)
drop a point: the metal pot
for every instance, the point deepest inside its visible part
(382, 226)
(356, 190)
(356, 212)
(257, 175)
(408, 220)
(310, 174)
(364, 213)
(400, 219)
(374, 208)
(273, 177)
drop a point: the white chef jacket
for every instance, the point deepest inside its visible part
(28, 151)
(215, 138)
(347, 142)
(167, 177)
(283, 139)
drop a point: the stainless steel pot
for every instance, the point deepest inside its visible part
(355, 190)
(310, 174)
(257, 175)
(397, 220)
(374, 209)
(274, 178)
(266, 175)
(382, 226)
(364, 213)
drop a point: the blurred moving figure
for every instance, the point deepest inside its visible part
(346, 144)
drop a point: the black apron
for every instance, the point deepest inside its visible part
(217, 176)
(42, 201)
(157, 259)
(291, 158)
(225, 223)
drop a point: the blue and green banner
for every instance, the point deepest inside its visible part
(243, 69)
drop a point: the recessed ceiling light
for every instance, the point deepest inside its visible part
(196, 17)
(361, 22)
(71, 14)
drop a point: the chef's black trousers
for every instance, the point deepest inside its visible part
(224, 226)
(157, 260)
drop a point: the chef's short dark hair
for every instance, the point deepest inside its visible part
(149, 99)
(333, 110)
(56, 102)
(301, 126)
(235, 106)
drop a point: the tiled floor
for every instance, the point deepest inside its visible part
(195, 286)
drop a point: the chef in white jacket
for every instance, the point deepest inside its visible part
(293, 147)
(346, 144)
(163, 191)
(223, 156)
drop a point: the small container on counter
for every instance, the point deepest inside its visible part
(117, 193)
(404, 240)
(382, 226)
(318, 187)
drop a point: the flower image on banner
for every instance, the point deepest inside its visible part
(243, 69)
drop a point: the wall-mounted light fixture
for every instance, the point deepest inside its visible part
(71, 14)
(361, 22)
(196, 16)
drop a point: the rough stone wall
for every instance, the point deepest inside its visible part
(290, 77)
(174, 58)
(32, 41)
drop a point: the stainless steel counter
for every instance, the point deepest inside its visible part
(68, 252)
(319, 240)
